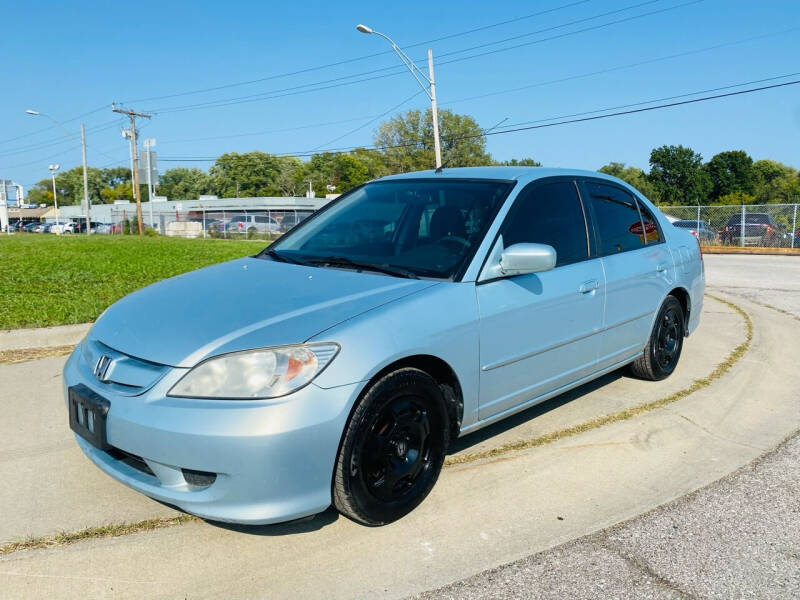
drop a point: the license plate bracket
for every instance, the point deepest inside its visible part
(87, 415)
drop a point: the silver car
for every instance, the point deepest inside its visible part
(348, 354)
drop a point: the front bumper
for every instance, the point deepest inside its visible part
(273, 459)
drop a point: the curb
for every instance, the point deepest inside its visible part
(44, 337)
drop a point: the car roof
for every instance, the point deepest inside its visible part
(521, 174)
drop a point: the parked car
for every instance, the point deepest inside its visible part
(252, 224)
(30, 227)
(103, 228)
(79, 226)
(760, 229)
(63, 227)
(290, 220)
(336, 366)
(699, 229)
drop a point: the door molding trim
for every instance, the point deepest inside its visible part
(508, 361)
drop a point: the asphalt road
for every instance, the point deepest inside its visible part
(773, 280)
(736, 538)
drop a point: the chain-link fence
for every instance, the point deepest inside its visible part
(760, 225)
(209, 223)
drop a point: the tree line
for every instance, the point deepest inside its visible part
(677, 176)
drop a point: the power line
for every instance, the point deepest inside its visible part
(370, 122)
(622, 67)
(59, 141)
(508, 90)
(38, 131)
(524, 128)
(393, 71)
(358, 58)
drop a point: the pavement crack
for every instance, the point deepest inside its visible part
(643, 567)
(716, 435)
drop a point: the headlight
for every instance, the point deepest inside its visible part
(264, 373)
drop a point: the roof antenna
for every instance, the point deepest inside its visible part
(484, 132)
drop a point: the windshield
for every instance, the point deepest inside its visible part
(410, 227)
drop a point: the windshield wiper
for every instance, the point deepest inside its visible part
(343, 261)
(285, 258)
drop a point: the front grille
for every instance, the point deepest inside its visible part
(136, 462)
(126, 375)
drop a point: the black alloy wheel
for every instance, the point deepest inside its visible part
(393, 448)
(663, 350)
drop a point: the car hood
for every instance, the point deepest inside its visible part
(239, 305)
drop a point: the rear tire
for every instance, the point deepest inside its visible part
(393, 448)
(663, 350)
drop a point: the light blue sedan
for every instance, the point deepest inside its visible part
(336, 366)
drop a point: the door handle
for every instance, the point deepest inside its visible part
(661, 268)
(588, 286)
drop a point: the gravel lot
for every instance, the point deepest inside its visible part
(737, 538)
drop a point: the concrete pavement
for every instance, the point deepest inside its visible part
(479, 516)
(54, 488)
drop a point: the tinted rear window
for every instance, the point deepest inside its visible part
(617, 216)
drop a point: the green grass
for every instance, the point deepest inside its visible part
(57, 280)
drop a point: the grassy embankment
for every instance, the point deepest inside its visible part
(56, 280)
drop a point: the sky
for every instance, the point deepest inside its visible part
(280, 89)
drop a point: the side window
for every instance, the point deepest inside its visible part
(651, 231)
(617, 217)
(549, 214)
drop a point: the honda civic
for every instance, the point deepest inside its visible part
(337, 365)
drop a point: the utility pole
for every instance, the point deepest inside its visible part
(132, 115)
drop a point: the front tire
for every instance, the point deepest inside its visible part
(393, 448)
(664, 347)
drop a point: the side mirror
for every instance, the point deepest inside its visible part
(520, 259)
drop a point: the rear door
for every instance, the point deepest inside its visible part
(540, 331)
(638, 268)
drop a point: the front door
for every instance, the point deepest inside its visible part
(539, 332)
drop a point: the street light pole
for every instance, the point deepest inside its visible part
(437, 144)
(426, 82)
(83, 156)
(53, 169)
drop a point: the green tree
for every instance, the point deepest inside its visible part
(242, 175)
(631, 175)
(775, 182)
(738, 198)
(731, 172)
(69, 186)
(407, 141)
(184, 184)
(521, 162)
(678, 176)
(343, 171)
